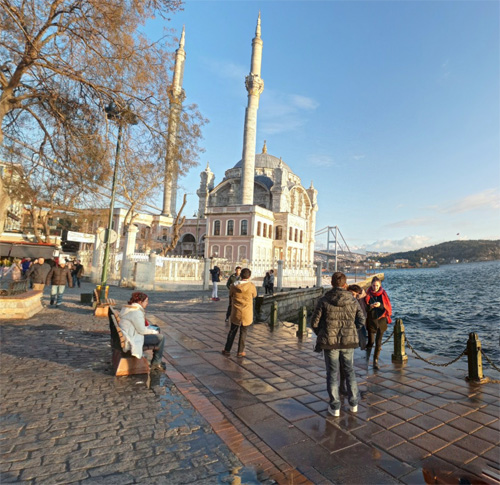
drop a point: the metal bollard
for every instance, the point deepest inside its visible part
(274, 314)
(474, 358)
(302, 322)
(399, 354)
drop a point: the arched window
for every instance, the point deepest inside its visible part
(216, 228)
(258, 228)
(279, 233)
(230, 228)
(270, 232)
(242, 253)
(215, 251)
(296, 235)
(228, 253)
(301, 236)
(264, 230)
(290, 236)
(244, 228)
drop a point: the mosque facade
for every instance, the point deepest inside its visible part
(260, 211)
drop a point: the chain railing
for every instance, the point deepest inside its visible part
(418, 356)
(490, 361)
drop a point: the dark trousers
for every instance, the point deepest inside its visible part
(155, 339)
(229, 308)
(232, 334)
(376, 329)
(271, 288)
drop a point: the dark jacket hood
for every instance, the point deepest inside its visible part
(338, 297)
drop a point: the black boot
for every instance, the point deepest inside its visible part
(368, 353)
(375, 358)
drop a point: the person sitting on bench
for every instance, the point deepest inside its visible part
(133, 325)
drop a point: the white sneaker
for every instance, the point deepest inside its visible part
(354, 409)
(334, 412)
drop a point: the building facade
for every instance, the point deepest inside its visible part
(259, 211)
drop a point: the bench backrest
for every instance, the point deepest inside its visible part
(118, 340)
(96, 296)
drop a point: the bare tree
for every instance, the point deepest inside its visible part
(64, 61)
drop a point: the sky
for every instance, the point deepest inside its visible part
(391, 109)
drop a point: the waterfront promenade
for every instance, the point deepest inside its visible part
(217, 419)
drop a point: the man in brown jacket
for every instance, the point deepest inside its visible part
(241, 295)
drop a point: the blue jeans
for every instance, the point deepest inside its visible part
(332, 358)
(155, 339)
(56, 291)
(76, 281)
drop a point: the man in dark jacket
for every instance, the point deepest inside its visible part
(335, 321)
(77, 273)
(58, 277)
(38, 273)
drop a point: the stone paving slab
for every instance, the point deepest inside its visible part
(213, 419)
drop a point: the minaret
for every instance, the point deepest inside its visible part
(176, 96)
(255, 86)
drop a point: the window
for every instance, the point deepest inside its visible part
(270, 232)
(242, 253)
(228, 253)
(217, 228)
(290, 235)
(244, 228)
(215, 251)
(258, 228)
(296, 235)
(279, 233)
(301, 236)
(264, 230)
(230, 228)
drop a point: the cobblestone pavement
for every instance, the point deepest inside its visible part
(214, 419)
(65, 418)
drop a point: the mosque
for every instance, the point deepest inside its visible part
(259, 212)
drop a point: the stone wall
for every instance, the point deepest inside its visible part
(289, 303)
(20, 306)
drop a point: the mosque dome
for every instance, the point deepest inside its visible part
(264, 160)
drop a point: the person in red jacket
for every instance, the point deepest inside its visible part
(379, 311)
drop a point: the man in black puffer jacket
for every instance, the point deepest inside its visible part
(58, 277)
(335, 321)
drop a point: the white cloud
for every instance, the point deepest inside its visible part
(417, 221)
(320, 160)
(409, 243)
(358, 157)
(487, 199)
(227, 69)
(282, 112)
(303, 102)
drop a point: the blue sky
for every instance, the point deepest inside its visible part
(390, 108)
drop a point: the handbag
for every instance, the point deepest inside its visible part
(362, 337)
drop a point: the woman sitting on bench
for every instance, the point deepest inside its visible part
(133, 325)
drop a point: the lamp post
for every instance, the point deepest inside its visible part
(120, 116)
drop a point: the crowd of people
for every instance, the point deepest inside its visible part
(345, 318)
(58, 273)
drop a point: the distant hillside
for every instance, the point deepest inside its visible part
(481, 250)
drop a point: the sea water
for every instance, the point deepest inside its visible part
(441, 306)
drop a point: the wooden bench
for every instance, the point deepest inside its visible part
(102, 307)
(124, 363)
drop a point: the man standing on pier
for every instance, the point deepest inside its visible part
(335, 321)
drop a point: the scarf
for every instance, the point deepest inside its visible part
(385, 301)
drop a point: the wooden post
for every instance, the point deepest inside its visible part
(274, 314)
(302, 322)
(474, 358)
(399, 354)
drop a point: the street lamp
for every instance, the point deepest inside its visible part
(121, 116)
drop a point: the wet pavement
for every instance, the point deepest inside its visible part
(215, 419)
